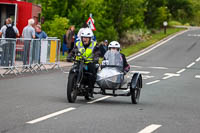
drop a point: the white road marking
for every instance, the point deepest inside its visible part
(136, 66)
(153, 82)
(149, 67)
(141, 72)
(150, 128)
(180, 71)
(170, 75)
(190, 64)
(197, 76)
(147, 77)
(158, 67)
(198, 59)
(66, 72)
(99, 99)
(154, 47)
(50, 115)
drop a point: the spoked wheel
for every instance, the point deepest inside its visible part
(135, 94)
(71, 88)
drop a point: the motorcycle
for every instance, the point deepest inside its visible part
(78, 84)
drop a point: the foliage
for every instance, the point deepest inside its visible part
(114, 18)
(56, 27)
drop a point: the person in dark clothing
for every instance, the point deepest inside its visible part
(103, 48)
(70, 35)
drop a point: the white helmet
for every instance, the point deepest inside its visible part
(87, 32)
(114, 44)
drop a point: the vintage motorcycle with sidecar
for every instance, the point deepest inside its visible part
(110, 80)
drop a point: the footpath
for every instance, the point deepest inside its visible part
(20, 70)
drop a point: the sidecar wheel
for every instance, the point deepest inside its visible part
(135, 94)
(71, 88)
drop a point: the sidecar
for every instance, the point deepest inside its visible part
(111, 79)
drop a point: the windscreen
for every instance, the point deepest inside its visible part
(113, 58)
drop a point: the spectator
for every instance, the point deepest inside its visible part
(8, 31)
(39, 33)
(103, 48)
(28, 34)
(70, 35)
(4, 33)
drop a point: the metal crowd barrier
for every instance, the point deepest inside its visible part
(28, 54)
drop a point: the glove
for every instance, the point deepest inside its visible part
(126, 69)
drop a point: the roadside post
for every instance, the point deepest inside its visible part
(165, 26)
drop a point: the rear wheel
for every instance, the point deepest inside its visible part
(71, 88)
(135, 94)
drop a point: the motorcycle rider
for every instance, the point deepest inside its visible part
(114, 46)
(87, 47)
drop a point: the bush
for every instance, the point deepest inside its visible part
(174, 23)
(133, 37)
(56, 27)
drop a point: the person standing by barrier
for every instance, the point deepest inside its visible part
(39, 34)
(70, 38)
(28, 33)
(8, 31)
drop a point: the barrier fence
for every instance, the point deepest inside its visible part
(21, 55)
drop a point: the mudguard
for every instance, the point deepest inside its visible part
(137, 77)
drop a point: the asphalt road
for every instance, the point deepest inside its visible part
(169, 101)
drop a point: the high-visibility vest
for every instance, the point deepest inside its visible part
(88, 51)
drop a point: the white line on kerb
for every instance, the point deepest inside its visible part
(190, 64)
(197, 76)
(99, 99)
(153, 82)
(198, 59)
(150, 128)
(50, 115)
(180, 71)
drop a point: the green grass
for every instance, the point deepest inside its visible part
(131, 49)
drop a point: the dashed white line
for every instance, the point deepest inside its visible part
(197, 76)
(146, 77)
(66, 72)
(198, 59)
(190, 64)
(50, 115)
(159, 68)
(180, 71)
(153, 82)
(141, 72)
(99, 99)
(136, 66)
(150, 128)
(167, 77)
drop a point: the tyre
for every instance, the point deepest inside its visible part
(87, 97)
(135, 94)
(71, 88)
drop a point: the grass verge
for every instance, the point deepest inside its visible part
(131, 49)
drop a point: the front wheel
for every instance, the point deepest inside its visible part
(71, 88)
